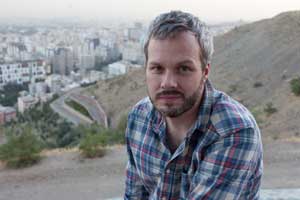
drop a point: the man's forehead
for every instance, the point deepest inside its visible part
(171, 35)
(185, 44)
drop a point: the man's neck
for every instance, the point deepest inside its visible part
(182, 123)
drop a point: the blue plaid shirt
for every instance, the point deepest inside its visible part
(220, 158)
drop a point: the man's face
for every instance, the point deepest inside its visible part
(174, 75)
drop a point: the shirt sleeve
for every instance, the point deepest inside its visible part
(230, 168)
(134, 188)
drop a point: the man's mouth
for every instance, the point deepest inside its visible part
(169, 95)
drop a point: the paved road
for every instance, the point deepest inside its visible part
(93, 107)
(68, 113)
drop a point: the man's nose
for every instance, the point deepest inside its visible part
(169, 80)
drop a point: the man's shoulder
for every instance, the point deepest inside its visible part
(142, 108)
(229, 116)
(140, 119)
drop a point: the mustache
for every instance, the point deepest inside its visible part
(169, 92)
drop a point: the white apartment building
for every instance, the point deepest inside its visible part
(116, 68)
(132, 52)
(18, 50)
(22, 72)
(26, 102)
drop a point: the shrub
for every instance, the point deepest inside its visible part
(122, 123)
(233, 88)
(275, 136)
(54, 131)
(66, 135)
(295, 86)
(270, 109)
(21, 150)
(96, 139)
(256, 112)
(93, 145)
(115, 136)
(257, 84)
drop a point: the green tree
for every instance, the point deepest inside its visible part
(10, 93)
(94, 142)
(66, 136)
(53, 130)
(22, 148)
(295, 86)
(96, 138)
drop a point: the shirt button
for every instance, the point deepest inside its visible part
(168, 171)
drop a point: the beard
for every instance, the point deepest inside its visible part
(171, 110)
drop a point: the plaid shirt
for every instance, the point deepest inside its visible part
(220, 158)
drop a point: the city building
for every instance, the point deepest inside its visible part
(63, 61)
(22, 72)
(38, 89)
(7, 114)
(96, 75)
(26, 102)
(87, 62)
(46, 97)
(58, 84)
(54, 82)
(18, 51)
(132, 52)
(134, 33)
(116, 68)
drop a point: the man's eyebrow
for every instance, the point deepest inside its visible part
(185, 62)
(153, 63)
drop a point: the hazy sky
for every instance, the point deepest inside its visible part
(209, 10)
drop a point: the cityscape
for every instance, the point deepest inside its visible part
(58, 56)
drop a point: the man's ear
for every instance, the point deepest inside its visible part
(206, 71)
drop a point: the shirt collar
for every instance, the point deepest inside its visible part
(205, 108)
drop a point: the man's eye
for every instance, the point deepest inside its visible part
(184, 69)
(156, 69)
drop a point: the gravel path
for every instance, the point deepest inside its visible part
(65, 175)
(281, 165)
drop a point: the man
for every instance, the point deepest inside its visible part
(188, 140)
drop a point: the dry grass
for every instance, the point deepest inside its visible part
(58, 151)
(292, 139)
(72, 150)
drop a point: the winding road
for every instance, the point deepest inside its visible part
(93, 107)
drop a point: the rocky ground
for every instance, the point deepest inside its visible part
(64, 174)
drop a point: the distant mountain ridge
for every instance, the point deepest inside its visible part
(271, 44)
(253, 63)
(265, 53)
